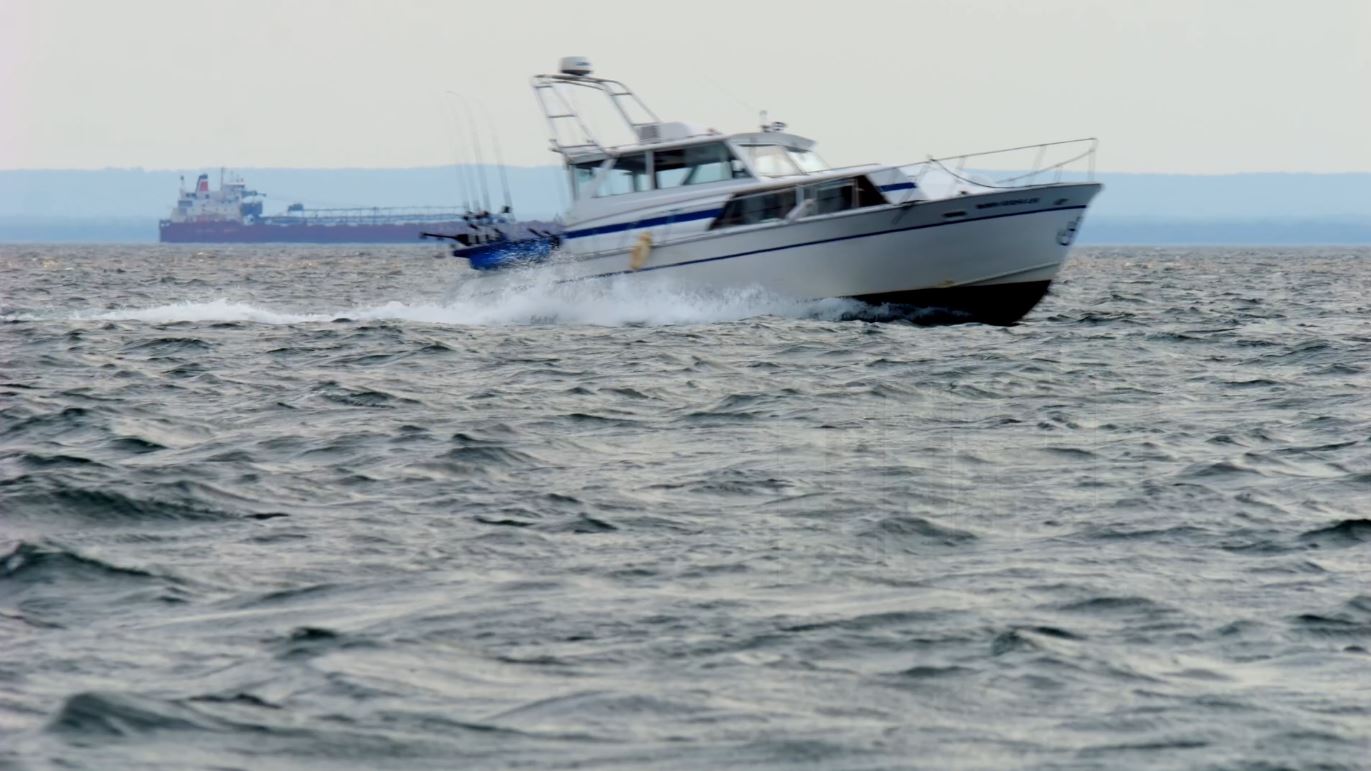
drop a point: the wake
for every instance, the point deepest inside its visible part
(523, 301)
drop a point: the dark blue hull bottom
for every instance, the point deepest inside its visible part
(1000, 304)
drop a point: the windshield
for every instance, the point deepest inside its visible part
(770, 160)
(778, 161)
(808, 160)
(695, 165)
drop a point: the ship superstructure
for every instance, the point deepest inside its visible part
(232, 202)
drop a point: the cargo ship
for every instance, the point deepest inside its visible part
(233, 214)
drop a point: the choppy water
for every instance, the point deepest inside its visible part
(313, 507)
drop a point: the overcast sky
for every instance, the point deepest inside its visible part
(1190, 86)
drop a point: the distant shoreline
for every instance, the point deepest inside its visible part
(123, 205)
(1098, 231)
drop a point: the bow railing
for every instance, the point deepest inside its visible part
(1049, 159)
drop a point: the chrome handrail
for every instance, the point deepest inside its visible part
(1036, 168)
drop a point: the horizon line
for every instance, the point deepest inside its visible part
(156, 170)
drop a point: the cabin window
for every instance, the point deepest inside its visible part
(628, 175)
(827, 197)
(583, 176)
(756, 207)
(695, 165)
(843, 194)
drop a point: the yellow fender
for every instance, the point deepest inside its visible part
(638, 257)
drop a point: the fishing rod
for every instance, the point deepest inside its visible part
(457, 158)
(480, 164)
(499, 160)
(464, 171)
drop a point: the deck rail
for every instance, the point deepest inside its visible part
(1054, 158)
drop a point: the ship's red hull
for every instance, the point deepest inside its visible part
(301, 233)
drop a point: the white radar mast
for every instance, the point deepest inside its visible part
(570, 134)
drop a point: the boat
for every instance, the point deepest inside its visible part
(700, 209)
(234, 214)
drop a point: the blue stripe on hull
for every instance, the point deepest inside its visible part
(668, 219)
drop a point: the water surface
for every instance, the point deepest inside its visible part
(316, 507)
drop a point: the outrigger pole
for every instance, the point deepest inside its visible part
(480, 164)
(463, 170)
(499, 160)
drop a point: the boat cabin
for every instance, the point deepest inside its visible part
(696, 161)
(679, 179)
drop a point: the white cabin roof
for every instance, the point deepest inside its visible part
(777, 138)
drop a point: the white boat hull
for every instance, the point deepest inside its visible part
(987, 257)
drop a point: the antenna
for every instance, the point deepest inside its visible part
(719, 87)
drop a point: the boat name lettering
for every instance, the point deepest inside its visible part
(1010, 202)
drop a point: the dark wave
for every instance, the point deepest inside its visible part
(361, 397)
(164, 346)
(37, 563)
(915, 531)
(56, 497)
(111, 715)
(1347, 532)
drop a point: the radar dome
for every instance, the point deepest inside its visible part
(574, 65)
